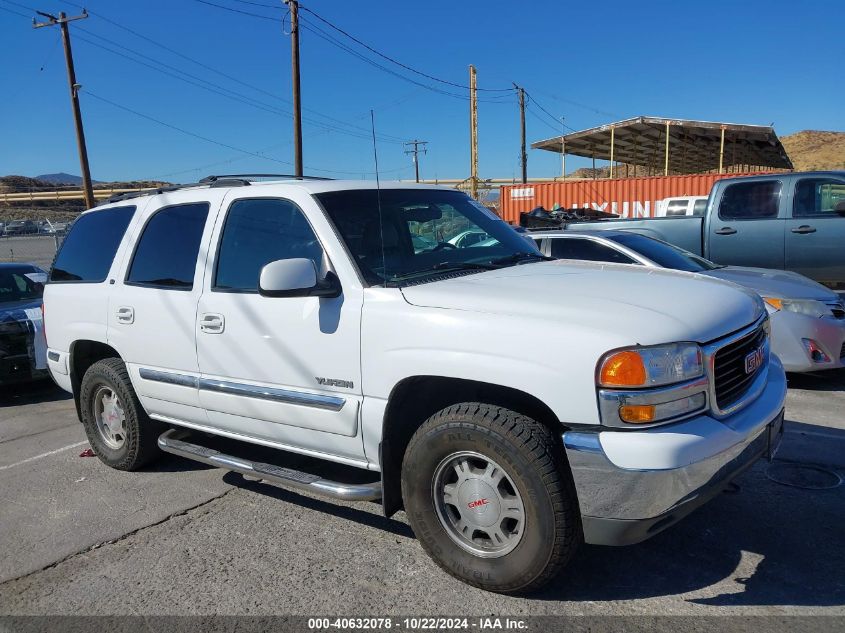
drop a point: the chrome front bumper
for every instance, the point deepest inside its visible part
(633, 484)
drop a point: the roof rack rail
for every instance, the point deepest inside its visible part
(216, 177)
(127, 195)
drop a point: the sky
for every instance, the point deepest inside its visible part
(178, 89)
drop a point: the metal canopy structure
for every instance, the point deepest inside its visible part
(675, 145)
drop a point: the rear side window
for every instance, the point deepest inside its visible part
(818, 197)
(260, 231)
(699, 207)
(587, 250)
(750, 200)
(166, 255)
(88, 250)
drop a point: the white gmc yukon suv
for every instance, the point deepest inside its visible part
(514, 407)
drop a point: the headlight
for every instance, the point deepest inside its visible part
(651, 366)
(810, 307)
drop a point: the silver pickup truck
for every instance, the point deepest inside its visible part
(789, 221)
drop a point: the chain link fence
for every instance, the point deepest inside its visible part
(31, 249)
(32, 239)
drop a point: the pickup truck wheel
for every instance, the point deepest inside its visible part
(489, 496)
(118, 428)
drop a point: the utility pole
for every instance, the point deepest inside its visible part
(523, 156)
(415, 153)
(473, 132)
(562, 149)
(62, 21)
(293, 5)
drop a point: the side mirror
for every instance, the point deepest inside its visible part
(296, 277)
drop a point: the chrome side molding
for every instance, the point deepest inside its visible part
(302, 398)
(318, 401)
(182, 380)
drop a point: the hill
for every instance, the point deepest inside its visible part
(60, 179)
(815, 149)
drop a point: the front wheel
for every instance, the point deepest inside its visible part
(489, 496)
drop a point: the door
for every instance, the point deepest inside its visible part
(277, 368)
(152, 307)
(747, 227)
(815, 231)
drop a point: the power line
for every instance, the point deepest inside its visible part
(316, 30)
(398, 63)
(13, 12)
(580, 105)
(233, 10)
(310, 26)
(394, 139)
(542, 120)
(222, 90)
(393, 103)
(258, 4)
(22, 6)
(215, 142)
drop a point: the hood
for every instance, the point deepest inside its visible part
(15, 310)
(781, 284)
(646, 305)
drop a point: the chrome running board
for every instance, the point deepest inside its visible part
(170, 442)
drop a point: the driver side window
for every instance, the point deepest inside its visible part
(259, 231)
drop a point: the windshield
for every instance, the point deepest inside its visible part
(17, 284)
(421, 234)
(665, 254)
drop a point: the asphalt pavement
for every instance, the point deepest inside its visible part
(182, 538)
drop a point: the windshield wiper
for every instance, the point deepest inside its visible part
(463, 266)
(521, 258)
(445, 266)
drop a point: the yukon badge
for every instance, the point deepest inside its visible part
(334, 382)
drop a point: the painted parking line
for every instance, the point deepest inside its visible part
(42, 455)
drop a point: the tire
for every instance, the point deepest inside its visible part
(120, 432)
(442, 471)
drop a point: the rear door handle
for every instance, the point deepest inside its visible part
(126, 314)
(725, 230)
(212, 323)
(804, 228)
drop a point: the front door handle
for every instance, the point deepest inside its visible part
(212, 323)
(126, 314)
(725, 230)
(804, 228)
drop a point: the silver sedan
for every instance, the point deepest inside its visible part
(808, 320)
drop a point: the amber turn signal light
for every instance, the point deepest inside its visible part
(637, 413)
(623, 369)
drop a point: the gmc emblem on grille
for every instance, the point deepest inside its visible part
(754, 360)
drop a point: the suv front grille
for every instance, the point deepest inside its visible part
(731, 379)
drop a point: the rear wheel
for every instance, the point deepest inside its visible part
(118, 428)
(489, 495)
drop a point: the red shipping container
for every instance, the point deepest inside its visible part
(627, 197)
